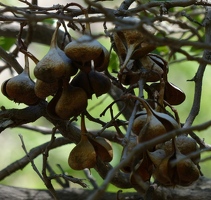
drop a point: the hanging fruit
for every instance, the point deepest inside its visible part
(83, 155)
(20, 88)
(72, 102)
(55, 64)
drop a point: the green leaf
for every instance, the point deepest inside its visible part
(48, 21)
(114, 63)
(6, 42)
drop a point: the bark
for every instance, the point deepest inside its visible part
(199, 190)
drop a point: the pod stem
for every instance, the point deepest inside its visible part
(54, 36)
(26, 68)
(83, 126)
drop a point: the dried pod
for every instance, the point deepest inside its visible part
(131, 44)
(153, 127)
(20, 88)
(185, 144)
(143, 169)
(103, 148)
(168, 122)
(83, 155)
(43, 89)
(139, 122)
(101, 63)
(72, 102)
(141, 174)
(100, 83)
(55, 64)
(131, 74)
(172, 94)
(82, 80)
(154, 71)
(52, 103)
(83, 49)
(187, 171)
(157, 156)
(164, 173)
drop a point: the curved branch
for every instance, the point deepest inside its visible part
(199, 190)
(200, 72)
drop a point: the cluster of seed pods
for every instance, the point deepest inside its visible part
(71, 76)
(167, 162)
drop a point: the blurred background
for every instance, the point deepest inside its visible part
(11, 149)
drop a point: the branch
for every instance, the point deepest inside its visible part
(200, 72)
(199, 190)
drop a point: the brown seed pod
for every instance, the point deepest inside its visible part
(157, 156)
(185, 144)
(83, 49)
(83, 155)
(20, 88)
(55, 64)
(164, 173)
(43, 89)
(153, 127)
(154, 71)
(103, 148)
(82, 80)
(139, 122)
(131, 74)
(100, 83)
(99, 64)
(143, 169)
(72, 102)
(172, 94)
(187, 171)
(141, 174)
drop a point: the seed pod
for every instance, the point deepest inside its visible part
(83, 49)
(173, 95)
(72, 102)
(102, 148)
(83, 155)
(82, 80)
(187, 171)
(43, 89)
(155, 72)
(55, 64)
(153, 127)
(100, 83)
(157, 156)
(99, 64)
(185, 144)
(141, 174)
(131, 74)
(139, 122)
(164, 173)
(20, 88)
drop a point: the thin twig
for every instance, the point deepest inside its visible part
(28, 156)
